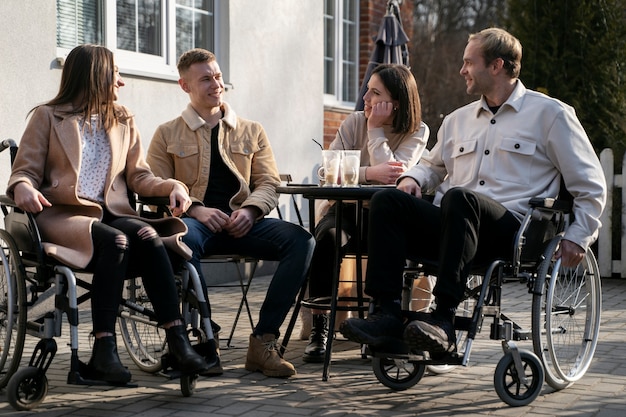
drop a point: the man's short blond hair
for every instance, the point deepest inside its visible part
(498, 43)
(194, 56)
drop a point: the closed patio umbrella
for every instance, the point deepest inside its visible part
(390, 47)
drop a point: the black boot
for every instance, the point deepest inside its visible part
(105, 364)
(213, 357)
(187, 359)
(315, 351)
(210, 351)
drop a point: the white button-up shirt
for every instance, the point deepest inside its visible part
(518, 153)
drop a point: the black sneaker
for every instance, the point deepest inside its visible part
(379, 329)
(430, 334)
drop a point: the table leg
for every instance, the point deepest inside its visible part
(359, 258)
(312, 216)
(335, 291)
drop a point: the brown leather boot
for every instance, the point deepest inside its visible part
(263, 356)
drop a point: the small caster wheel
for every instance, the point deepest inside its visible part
(440, 369)
(27, 388)
(397, 374)
(188, 384)
(510, 386)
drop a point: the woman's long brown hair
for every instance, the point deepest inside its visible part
(87, 83)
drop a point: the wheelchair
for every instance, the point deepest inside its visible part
(565, 315)
(36, 291)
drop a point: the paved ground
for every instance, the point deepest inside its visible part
(352, 390)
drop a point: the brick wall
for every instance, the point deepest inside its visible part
(332, 120)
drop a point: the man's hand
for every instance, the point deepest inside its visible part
(570, 253)
(241, 221)
(215, 219)
(179, 200)
(29, 199)
(410, 186)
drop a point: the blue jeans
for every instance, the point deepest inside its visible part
(269, 239)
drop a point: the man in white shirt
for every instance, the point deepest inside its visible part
(491, 157)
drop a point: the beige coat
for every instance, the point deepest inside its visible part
(49, 159)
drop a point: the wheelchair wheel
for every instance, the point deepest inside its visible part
(397, 374)
(144, 341)
(27, 388)
(12, 308)
(566, 317)
(509, 385)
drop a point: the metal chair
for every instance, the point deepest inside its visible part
(246, 268)
(287, 179)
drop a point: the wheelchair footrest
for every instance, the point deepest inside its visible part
(393, 347)
(170, 373)
(422, 357)
(446, 359)
(208, 350)
(76, 377)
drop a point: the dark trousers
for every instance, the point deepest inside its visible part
(120, 253)
(467, 229)
(322, 264)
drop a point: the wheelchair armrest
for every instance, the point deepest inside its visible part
(5, 200)
(153, 207)
(154, 201)
(552, 204)
(23, 229)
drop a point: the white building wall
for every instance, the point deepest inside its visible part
(277, 73)
(274, 63)
(28, 73)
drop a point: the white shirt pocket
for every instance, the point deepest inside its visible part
(515, 160)
(463, 160)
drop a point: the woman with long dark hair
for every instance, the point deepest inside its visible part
(391, 136)
(78, 159)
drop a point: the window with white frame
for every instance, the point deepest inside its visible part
(147, 36)
(341, 52)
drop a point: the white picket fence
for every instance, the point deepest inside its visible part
(615, 184)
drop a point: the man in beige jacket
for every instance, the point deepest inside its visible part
(228, 164)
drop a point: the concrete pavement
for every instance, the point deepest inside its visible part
(352, 389)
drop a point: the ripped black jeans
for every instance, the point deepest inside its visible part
(124, 248)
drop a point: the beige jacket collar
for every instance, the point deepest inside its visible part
(195, 122)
